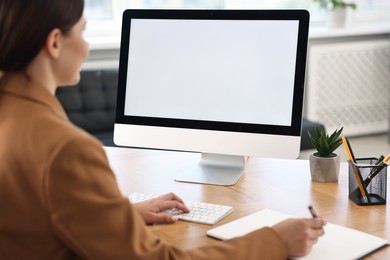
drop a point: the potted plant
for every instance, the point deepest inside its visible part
(337, 11)
(325, 164)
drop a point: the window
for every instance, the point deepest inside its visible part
(372, 10)
(104, 16)
(98, 9)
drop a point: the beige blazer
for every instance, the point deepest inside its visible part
(59, 198)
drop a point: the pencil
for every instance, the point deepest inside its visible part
(348, 149)
(355, 170)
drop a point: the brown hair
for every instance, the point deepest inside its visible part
(25, 25)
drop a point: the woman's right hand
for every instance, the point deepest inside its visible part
(299, 234)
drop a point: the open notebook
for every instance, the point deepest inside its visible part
(338, 242)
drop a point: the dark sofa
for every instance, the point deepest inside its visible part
(91, 105)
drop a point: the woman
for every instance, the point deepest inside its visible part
(58, 196)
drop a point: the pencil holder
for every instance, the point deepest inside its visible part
(367, 181)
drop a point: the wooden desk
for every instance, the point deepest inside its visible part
(282, 185)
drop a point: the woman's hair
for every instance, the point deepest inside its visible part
(25, 25)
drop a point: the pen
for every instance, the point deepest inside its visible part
(376, 170)
(312, 211)
(380, 159)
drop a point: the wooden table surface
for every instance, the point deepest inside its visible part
(281, 185)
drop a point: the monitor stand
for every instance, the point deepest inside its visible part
(215, 169)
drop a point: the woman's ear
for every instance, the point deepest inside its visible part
(53, 43)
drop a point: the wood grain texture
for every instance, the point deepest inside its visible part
(281, 185)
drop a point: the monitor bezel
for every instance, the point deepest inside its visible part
(300, 66)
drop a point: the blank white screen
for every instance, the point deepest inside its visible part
(216, 70)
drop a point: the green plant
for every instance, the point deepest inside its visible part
(325, 144)
(335, 4)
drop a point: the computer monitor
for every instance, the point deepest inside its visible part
(225, 83)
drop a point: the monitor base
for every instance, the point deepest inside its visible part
(215, 169)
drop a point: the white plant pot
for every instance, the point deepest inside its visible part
(324, 169)
(337, 18)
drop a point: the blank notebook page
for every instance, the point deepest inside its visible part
(338, 242)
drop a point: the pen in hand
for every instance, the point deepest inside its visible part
(313, 212)
(319, 228)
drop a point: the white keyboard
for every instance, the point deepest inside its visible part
(200, 212)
